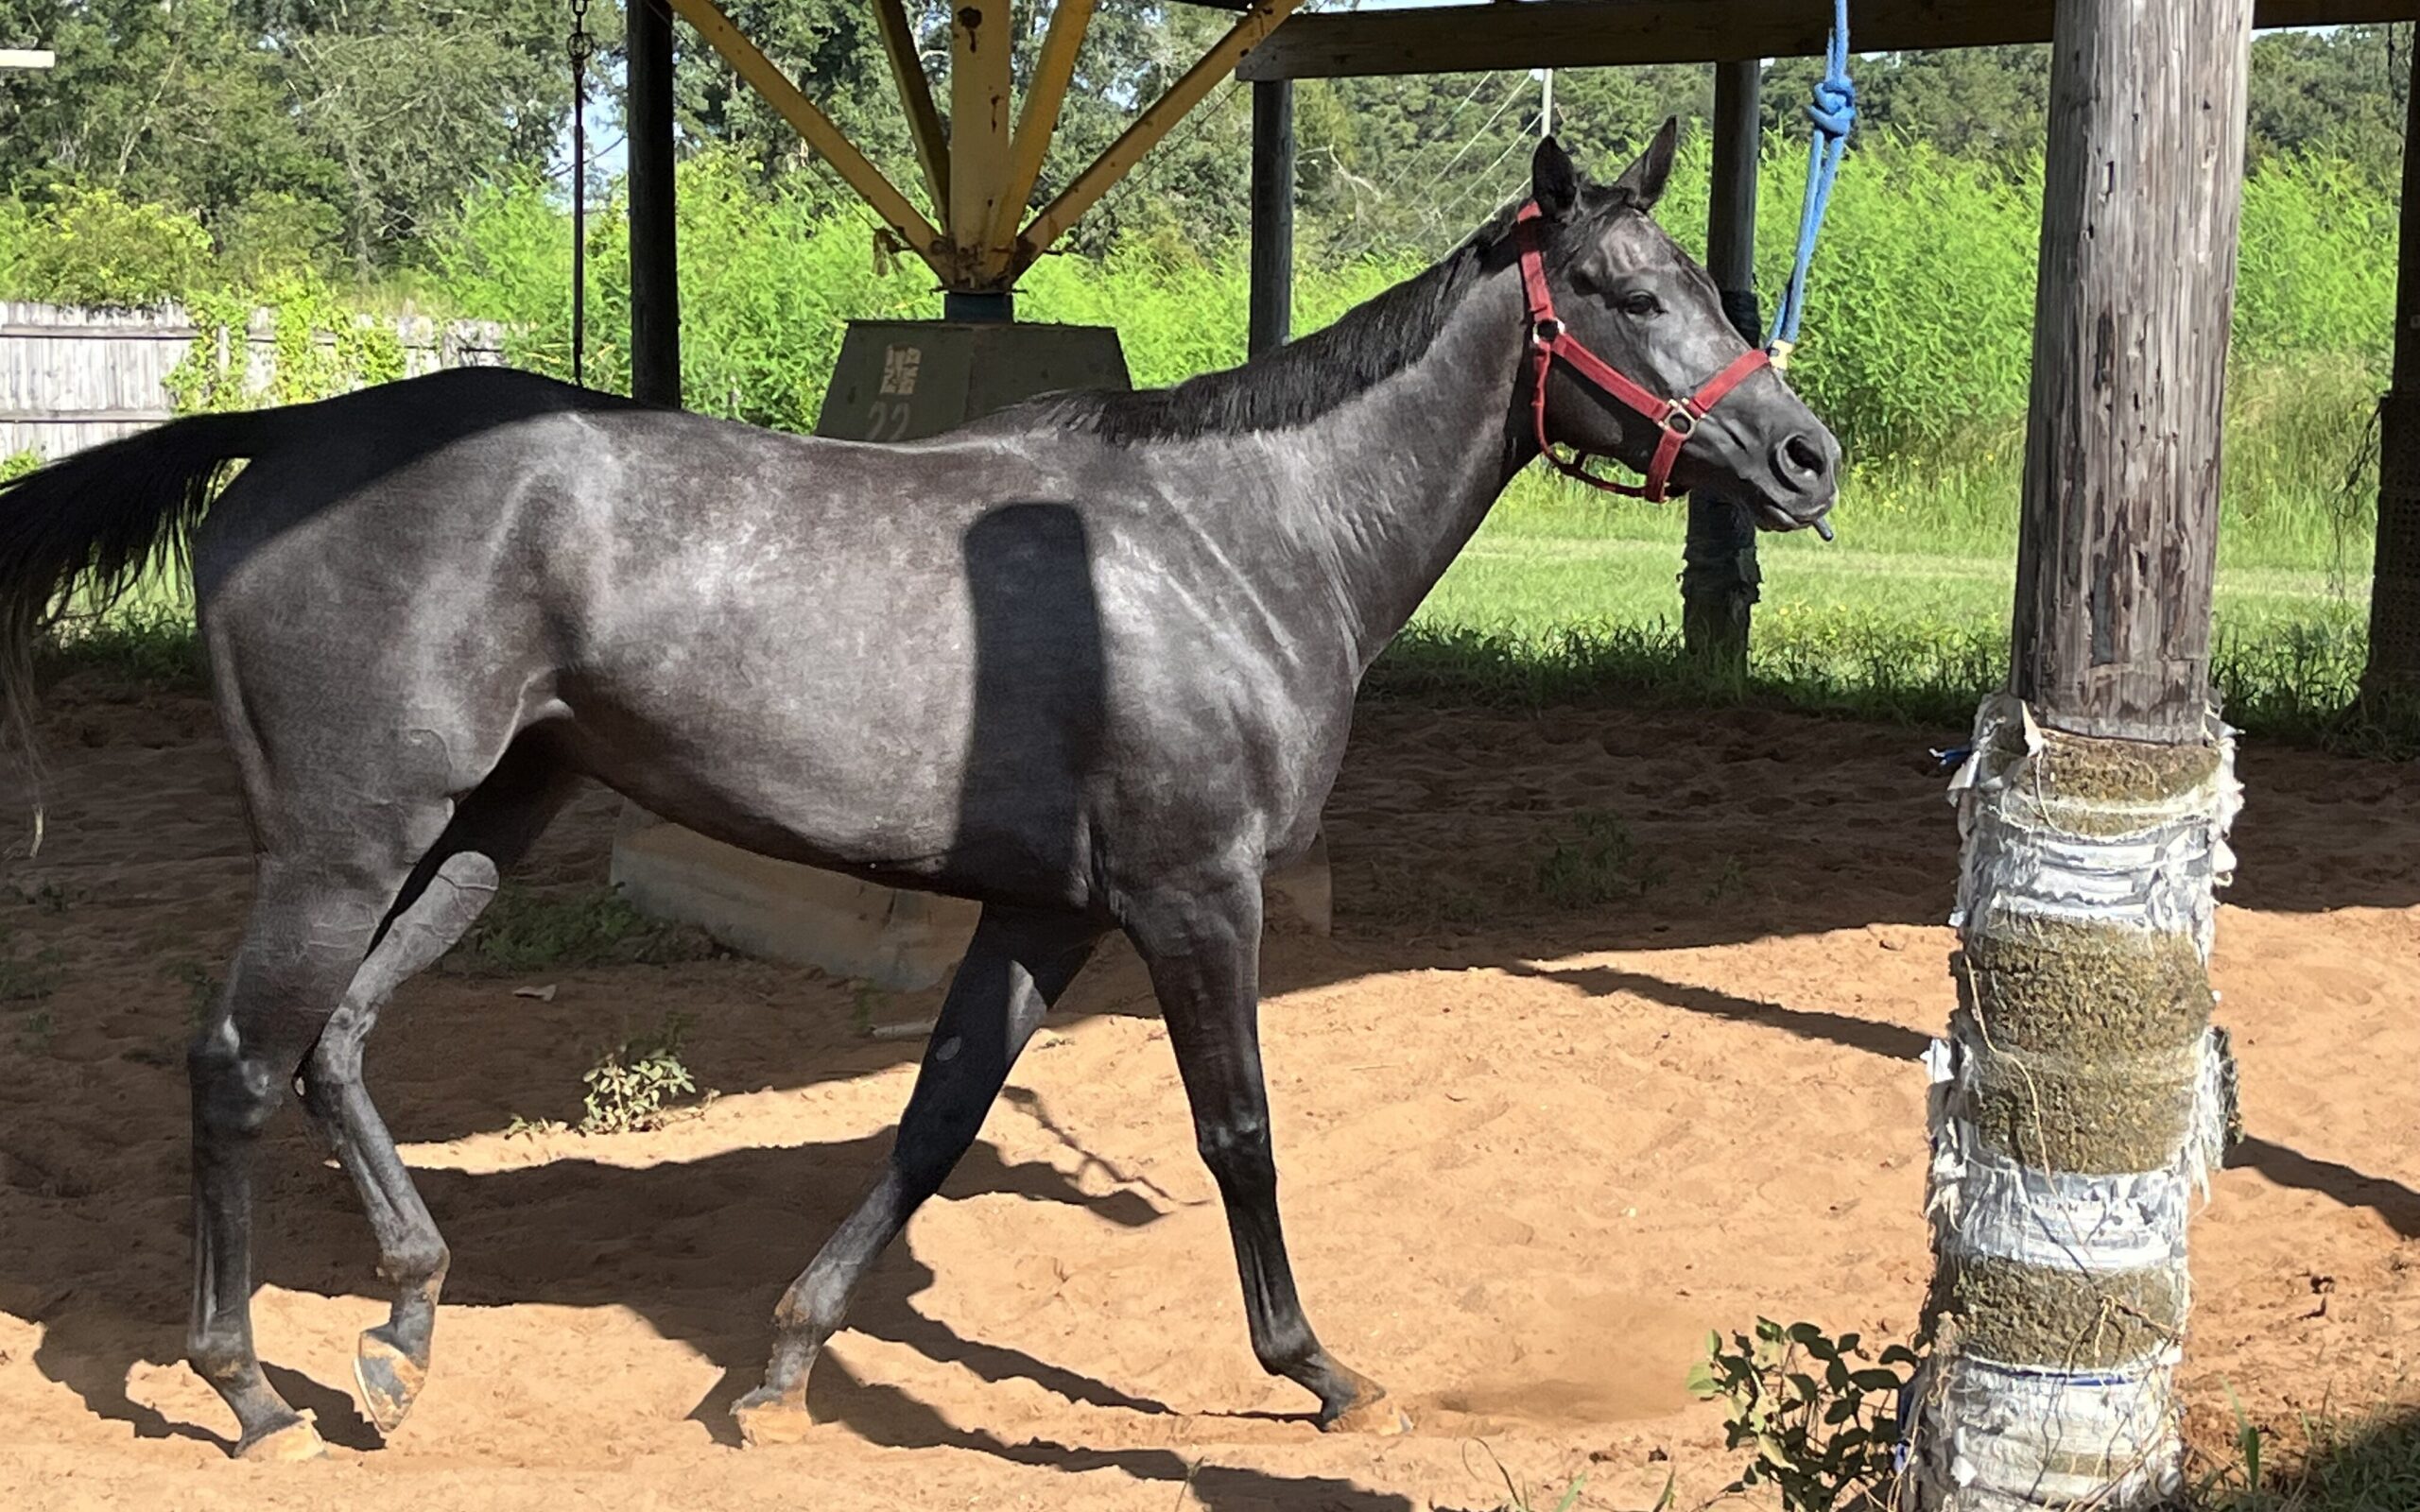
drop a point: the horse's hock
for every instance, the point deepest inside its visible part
(895, 381)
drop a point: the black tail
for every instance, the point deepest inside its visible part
(77, 534)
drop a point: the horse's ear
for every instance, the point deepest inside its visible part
(1553, 181)
(1642, 183)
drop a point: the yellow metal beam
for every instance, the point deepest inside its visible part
(1039, 121)
(916, 95)
(775, 86)
(1148, 129)
(982, 35)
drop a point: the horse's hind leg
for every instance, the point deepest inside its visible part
(1016, 968)
(1203, 953)
(445, 894)
(316, 911)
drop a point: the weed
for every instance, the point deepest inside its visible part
(630, 1085)
(201, 992)
(1601, 865)
(2367, 1462)
(1729, 882)
(26, 978)
(50, 898)
(529, 1128)
(35, 1032)
(1822, 1439)
(1516, 1496)
(524, 930)
(864, 997)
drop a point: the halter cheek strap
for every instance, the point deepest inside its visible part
(1551, 341)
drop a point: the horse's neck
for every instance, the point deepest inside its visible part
(1400, 476)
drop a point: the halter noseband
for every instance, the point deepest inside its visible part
(1550, 341)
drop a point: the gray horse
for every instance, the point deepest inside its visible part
(1090, 662)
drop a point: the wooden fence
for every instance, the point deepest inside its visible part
(72, 378)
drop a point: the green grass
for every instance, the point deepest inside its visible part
(2344, 1465)
(524, 930)
(1566, 594)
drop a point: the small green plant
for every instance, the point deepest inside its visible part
(17, 464)
(1516, 1496)
(142, 642)
(633, 1084)
(201, 991)
(35, 1032)
(1601, 865)
(531, 1128)
(1823, 1427)
(1728, 882)
(524, 930)
(26, 978)
(864, 997)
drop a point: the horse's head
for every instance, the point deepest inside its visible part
(1623, 291)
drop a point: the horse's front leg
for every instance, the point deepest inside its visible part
(1016, 968)
(1202, 948)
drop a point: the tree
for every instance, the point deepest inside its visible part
(354, 126)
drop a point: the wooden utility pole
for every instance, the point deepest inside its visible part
(655, 273)
(2391, 682)
(1273, 216)
(1719, 575)
(980, 39)
(2081, 1096)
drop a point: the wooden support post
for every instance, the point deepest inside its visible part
(1191, 87)
(981, 35)
(881, 196)
(1718, 573)
(1038, 122)
(2391, 682)
(2082, 1097)
(1273, 216)
(916, 98)
(655, 276)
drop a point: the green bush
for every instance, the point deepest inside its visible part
(96, 247)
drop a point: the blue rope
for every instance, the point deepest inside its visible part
(1834, 112)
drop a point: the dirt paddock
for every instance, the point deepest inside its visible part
(1530, 1152)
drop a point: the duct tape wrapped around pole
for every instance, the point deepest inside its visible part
(2078, 1106)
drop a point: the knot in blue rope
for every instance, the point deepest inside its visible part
(1833, 113)
(1835, 109)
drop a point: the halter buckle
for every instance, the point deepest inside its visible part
(1544, 332)
(1681, 421)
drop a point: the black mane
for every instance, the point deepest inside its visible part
(1302, 380)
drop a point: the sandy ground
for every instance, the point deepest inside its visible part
(1531, 1155)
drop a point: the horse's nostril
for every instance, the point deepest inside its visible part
(1801, 462)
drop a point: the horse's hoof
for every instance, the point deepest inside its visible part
(1371, 1412)
(766, 1417)
(389, 1379)
(293, 1444)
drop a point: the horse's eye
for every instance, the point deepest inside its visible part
(1638, 302)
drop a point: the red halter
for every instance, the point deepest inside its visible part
(1550, 340)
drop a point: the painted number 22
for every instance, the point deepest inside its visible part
(888, 421)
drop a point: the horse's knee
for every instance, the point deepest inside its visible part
(1238, 1149)
(233, 1092)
